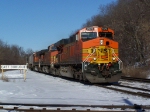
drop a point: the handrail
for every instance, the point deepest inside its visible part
(87, 59)
(89, 55)
(114, 54)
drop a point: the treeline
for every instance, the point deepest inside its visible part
(13, 54)
(131, 21)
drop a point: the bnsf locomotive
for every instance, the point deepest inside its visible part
(90, 54)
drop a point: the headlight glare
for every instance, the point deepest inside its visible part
(101, 42)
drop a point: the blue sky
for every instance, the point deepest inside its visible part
(36, 24)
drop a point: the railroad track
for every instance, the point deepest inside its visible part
(136, 79)
(120, 108)
(136, 88)
(142, 94)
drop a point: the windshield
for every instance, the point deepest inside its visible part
(106, 34)
(88, 35)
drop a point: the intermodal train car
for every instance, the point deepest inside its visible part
(90, 54)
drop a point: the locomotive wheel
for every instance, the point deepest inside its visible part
(80, 75)
(76, 76)
(43, 69)
(58, 72)
(84, 78)
(53, 71)
(73, 74)
(46, 69)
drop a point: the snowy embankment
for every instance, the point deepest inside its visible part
(40, 88)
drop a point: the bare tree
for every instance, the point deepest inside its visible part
(131, 21)
(12, 54)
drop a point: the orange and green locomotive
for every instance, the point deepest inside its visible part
(90, 54)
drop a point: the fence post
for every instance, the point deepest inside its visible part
(2, 74)
(24, 74)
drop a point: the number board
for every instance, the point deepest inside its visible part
(90, 28)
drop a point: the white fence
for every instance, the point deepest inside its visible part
(18, 67)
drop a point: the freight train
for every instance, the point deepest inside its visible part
(90, 54)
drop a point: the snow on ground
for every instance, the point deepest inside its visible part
(45, 89)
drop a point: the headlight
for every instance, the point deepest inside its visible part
(113, 59)
(94, 59)
(101, 42)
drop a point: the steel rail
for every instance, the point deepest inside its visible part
(142, 89)
(122, 107)
(136, 79)
(146, 95)
(59, 110)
